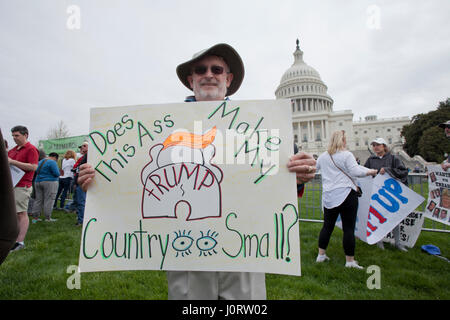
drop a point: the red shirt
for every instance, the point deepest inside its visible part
(27, 154)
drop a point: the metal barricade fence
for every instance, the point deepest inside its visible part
(311, 203)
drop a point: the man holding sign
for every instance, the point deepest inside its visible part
(213, 74)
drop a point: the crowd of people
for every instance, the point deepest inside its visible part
(212, 74)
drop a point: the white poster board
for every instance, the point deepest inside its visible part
(385, 202)
(410, 229)
(192, 186)
(438, 204)
(16, 174)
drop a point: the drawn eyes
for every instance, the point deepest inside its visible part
(182, 243)
(206, 243)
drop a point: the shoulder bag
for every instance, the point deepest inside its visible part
(33, 192)
(358, 189)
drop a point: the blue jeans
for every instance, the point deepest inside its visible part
(64, 187)
(80, 199)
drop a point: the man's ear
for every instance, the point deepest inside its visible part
(229, 79)
(189, 79)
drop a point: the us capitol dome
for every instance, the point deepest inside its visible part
(313, 117)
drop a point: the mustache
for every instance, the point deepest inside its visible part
(209, 82)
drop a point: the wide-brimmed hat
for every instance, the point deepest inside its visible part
(445, 124)
(379, 141)
(223, 50)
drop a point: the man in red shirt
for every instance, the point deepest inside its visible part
(25, 156)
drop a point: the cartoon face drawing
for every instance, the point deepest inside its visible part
(180, 171)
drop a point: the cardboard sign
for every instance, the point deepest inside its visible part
(384, 204)
(192, 186)
(410, 229)
(438, 204)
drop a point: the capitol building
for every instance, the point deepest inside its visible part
(313, 118)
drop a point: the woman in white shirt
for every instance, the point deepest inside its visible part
(338, 168)
(65, 181)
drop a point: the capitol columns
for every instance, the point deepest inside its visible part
(322, 135)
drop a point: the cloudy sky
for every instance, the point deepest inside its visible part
(60, 58)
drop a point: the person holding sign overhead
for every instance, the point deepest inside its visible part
(339, 197)
(214, 74)
(385, 162)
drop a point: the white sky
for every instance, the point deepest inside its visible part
(126, 52)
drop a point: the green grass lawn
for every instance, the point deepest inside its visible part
(40, 270)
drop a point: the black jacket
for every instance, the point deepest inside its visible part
(391, 164)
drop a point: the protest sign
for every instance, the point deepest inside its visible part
(16, 174)
(385, 202)
(192, 186)
(61, 145)
(410, 229)
(438, 203)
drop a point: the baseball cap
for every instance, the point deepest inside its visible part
(379, 141)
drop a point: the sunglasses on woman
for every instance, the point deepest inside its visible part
(201, 70)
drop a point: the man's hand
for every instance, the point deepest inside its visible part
(85, 176)
(445, 166)
(382, 171)
(304, 166)
(22, 165)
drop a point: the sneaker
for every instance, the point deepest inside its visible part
(17, 246)
(322, 258)
(51, 220)
(353, 264)
(35, 220)
(79, 224)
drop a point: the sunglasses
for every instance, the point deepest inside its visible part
(201, 69)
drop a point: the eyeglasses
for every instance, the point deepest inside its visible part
(201, 70)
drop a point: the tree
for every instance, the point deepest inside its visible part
(424, 137)
(431, 143)
(58, 131)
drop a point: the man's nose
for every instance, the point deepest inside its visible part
(209, 73)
